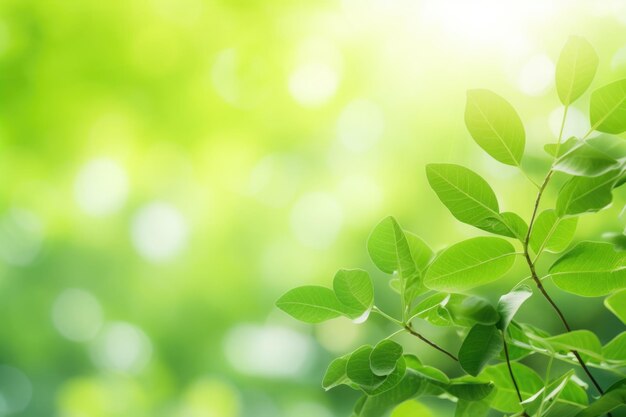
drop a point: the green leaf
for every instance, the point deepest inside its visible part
(510, 303)
(586, 194)
(506, 224)
(552, 233)
(466, 408)
(575, 69)
(586, 161)
(505, 397)
(614, 397)
(616, 303)
(422, 255)
(359, 371)
(384, 357)
(353, 288)
(391, 252)
(467, 310)
(391, 380)
(615, 350)
(583, 341)
(561, 394)
(608, 108)
(469, 264)
(470, 391)
(380, 405)
(481, 344)
(466, 194)
(590, 269)
(411, 409)
(336, 373)
(311, 304)
(495, 126)
(432, 309)
(552, 148)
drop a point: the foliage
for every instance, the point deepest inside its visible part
(433, 288)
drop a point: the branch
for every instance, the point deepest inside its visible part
(409, 329)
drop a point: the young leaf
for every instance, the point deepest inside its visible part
(469, 264)
(353, 288)
(614, 397)
(359, 371)
(336, 373)
(590, 269)
(586, 194)
(608, 108)
(311, 304)
(510, 303)
(391, 380)
(466, 194)
(391, 252)
(481, 344)
(505, 397)
(561, 396)
(617, 304)
(495, 126)
(384, 357)
(575, 69)
(506, 224)
(552, 233)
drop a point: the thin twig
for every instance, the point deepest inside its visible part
(508, 364)
(422, 338)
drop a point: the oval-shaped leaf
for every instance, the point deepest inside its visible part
(510, 303)
(481, 344)
(587, 194)
(590, 269)
(575, 69)
(336, 373)
(593, 157)
(507, 224)
(495, 126)
(359, 371)
(466, 194)
(311, 304)
(469, 264)
(353, 288)
(552, 233)
(384, 357)
(617, 304)
(608, 108)
(471, 391)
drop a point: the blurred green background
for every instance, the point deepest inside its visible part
(170, 167)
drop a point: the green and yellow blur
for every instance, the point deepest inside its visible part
(169, 168)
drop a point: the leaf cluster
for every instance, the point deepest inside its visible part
(433, 288)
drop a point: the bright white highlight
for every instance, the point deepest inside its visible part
(77, 315)
(159, 232)
(577, 124)
(269, 351)
(21, 236)
(101, 187)
(537, 76)
(316, 219)
(122, 347)
(313, 84)
(360, 125)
